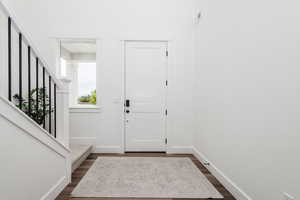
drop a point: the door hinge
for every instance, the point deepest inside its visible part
(167, 53)
(166, 82)
(166, 112)
(166, 141)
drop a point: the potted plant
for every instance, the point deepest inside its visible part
(89, 99)
(35, 111)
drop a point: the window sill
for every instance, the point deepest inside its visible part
(85, 109)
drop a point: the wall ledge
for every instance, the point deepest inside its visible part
(179, 150)
(85, 109)
(15, 116)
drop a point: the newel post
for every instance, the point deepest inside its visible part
(63, 130)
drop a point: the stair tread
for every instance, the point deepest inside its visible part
(78, 150)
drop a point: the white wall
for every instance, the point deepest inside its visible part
(34, 165)
(246, 72)
(248, 94)
(112, 21)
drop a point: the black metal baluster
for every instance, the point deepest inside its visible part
(29, 81)
(37, 89)
(44, 99)
(9, 58)
(34, 103)
(20, 71)
(50, 119)
(37, 103)
(55, 110)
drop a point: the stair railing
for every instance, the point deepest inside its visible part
(37, 89)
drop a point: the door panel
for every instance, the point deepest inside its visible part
(145, 75)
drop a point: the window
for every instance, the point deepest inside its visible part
(86, 83)
(78, 63)
(63, 67)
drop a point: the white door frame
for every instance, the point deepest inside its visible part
(3, 57)
(124, 89)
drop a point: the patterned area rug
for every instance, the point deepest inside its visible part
(140, 177)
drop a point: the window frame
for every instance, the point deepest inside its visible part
(73, 106)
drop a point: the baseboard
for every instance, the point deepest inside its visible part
(108, 149)
(180, 150)
(237, 192)
(83, 140)
(56, 189)
(118, 149)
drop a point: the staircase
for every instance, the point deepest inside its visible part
(79, 153)
(34, 123)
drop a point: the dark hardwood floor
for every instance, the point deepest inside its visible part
(84, 167)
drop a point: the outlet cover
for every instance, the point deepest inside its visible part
(287, 196)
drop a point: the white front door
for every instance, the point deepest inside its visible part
(145, 96)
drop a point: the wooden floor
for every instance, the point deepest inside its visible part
(81, 171)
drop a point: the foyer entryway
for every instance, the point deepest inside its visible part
(87, 165)
(145, 94)
(141, 177)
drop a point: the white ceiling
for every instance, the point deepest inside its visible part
(79, 47)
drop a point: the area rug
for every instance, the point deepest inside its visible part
(148, 177)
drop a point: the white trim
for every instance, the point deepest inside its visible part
(16, 117)
(237, 192)
(165, 88)
(58, 61)
(98, 42)
(11, 113)
(3, 56)
(85, 109)
(76, 62)
(180, 150)
(75, 37)
(124, 95)
(56, 189)
(123, 137)
(167, 119)
(147, 39)
(99, 54)
(108, 149)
